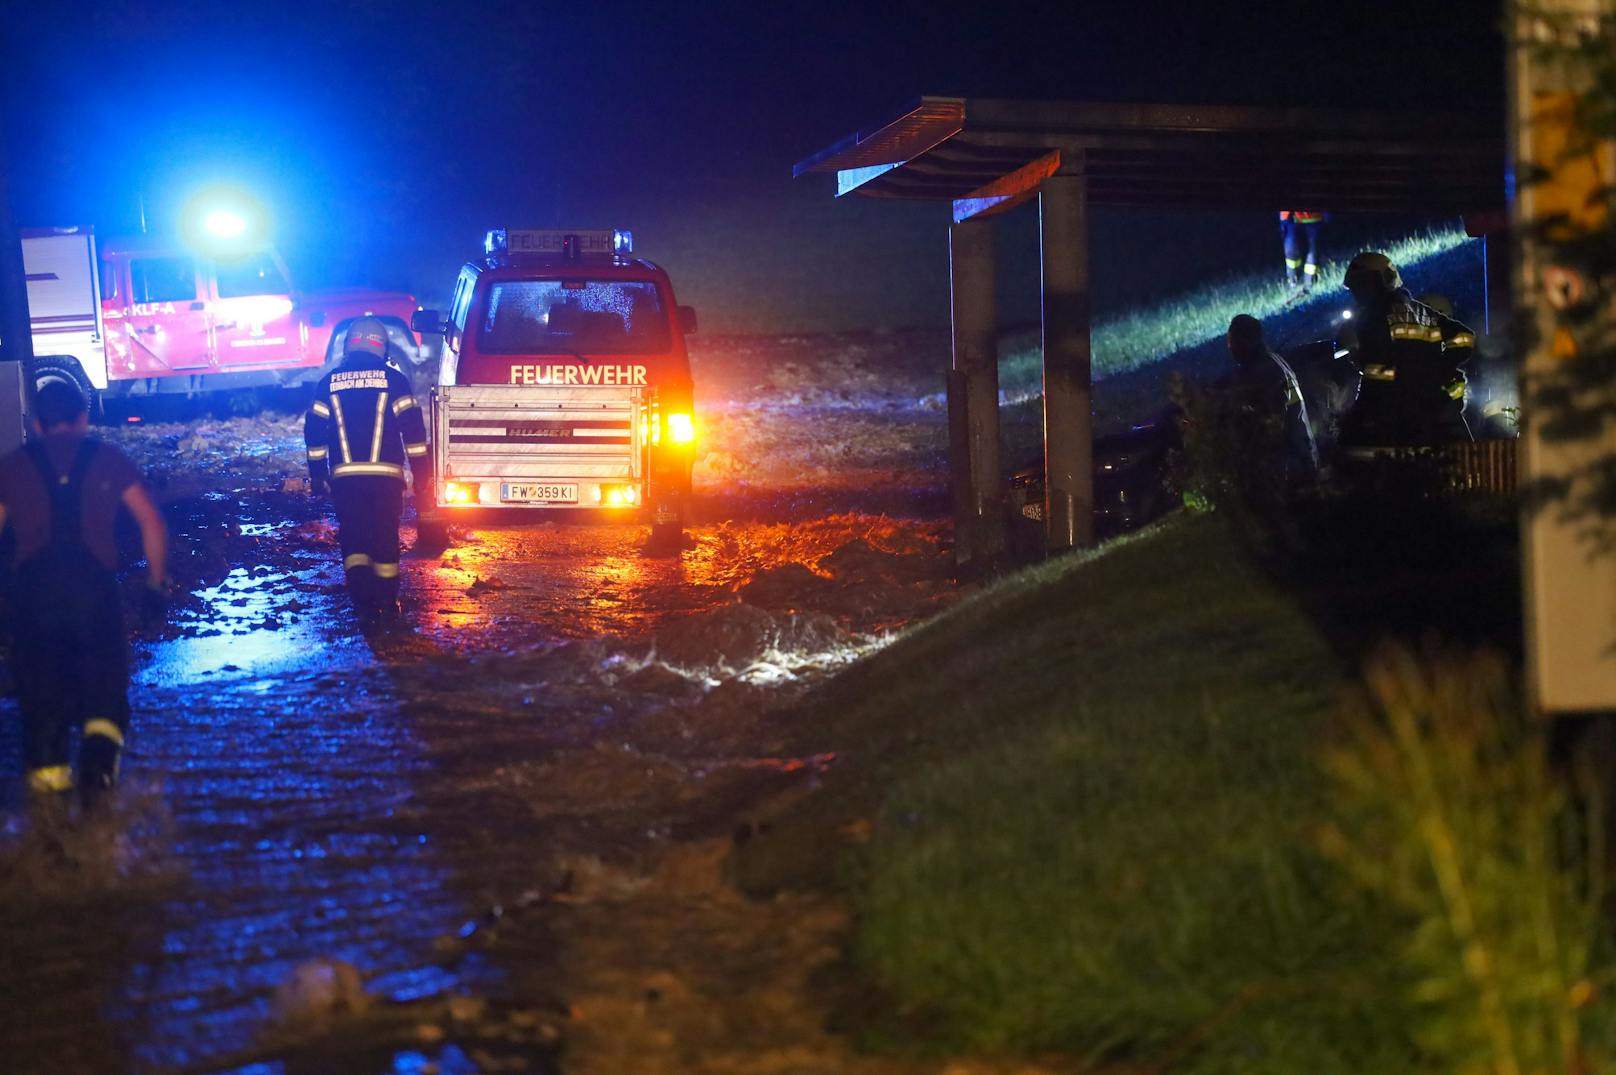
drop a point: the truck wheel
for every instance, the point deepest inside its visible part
(668, 524)
(50, 368)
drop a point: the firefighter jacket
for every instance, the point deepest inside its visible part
(365, 421)
(1407, 346)
(1269, 392)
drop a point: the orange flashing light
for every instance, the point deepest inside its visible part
(681, 429)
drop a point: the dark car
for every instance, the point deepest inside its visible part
(1133, 482)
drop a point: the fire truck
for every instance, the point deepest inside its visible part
(141, 316)
(564, 384)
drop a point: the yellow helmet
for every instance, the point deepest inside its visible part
(1370, 263)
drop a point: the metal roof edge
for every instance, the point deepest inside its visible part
(821, 161)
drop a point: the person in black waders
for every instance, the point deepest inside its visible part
(361, 428)
(60, 494)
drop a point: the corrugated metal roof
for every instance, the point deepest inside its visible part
(956, 149)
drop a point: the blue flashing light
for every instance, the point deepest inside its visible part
(224, 224)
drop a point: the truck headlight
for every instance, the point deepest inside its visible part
(681, 429)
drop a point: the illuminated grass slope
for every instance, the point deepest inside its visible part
(1088, 790)
(1141, 337)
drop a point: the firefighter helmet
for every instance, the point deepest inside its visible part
(1369, 263)
(366, 334)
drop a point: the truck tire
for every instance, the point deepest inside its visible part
(668, 517)
(48, 368)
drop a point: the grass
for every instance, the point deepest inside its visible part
(1113, 807)
(1144, 336)
(1444, 805)
(1091, 787)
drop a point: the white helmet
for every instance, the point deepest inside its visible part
(368, 335)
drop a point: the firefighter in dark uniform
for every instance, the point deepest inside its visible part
(61, 494)
(1270, 408)
(362, 428)
(1412, 359)
(1299, 231)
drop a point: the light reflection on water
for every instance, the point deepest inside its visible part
(290, 800)
(231, 636)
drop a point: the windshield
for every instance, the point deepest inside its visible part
(257, 275)
(544, 317)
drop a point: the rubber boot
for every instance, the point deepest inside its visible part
(98, 771)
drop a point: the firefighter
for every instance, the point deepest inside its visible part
(60, 494)
(361, 429)
(1299, 231)
(1269, 407)
(1411, 357)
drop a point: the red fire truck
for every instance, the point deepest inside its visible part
(564, 382)
(174, 321)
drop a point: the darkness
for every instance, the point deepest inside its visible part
(385, 136)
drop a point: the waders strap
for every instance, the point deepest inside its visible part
(66, 492)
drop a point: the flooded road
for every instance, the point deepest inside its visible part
(396, 853)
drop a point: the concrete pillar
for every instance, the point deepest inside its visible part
(1068, 420)
(974, 396)
(1569, 573)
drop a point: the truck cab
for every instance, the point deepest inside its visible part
(564, 382)
(180, 322)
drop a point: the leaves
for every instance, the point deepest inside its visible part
(1446, 808)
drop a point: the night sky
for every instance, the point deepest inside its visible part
(385, 136)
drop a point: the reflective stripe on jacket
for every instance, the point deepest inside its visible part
(1421, 348)
(364, 421)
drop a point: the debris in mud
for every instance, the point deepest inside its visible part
(786, 586)
(859, 561)
(659, 679)
(320, 992)
(736, 638)
(480, 585)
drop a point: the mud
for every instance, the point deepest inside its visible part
(493, 838)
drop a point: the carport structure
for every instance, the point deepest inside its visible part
(985, 157)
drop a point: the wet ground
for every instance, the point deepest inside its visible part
(491, 839)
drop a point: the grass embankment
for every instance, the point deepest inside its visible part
(1112, 809)
(1092, 788)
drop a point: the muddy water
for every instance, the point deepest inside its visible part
(333, 851)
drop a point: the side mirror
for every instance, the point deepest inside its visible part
(687, 319)
(427, 321)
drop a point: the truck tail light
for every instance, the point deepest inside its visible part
(681, 429)
(459, 493)
(618, 496)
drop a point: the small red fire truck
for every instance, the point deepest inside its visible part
(169, 320)
(564, 382)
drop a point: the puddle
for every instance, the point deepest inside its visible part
(245, 628)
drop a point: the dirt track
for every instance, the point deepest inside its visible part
(499, 831)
